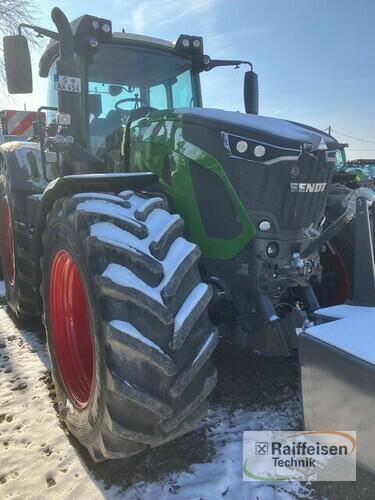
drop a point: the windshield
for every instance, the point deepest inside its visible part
(122, 79)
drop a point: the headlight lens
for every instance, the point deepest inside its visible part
(242, 146)
(264, 225)
(259, 151)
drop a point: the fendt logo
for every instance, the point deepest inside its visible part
(307, 187)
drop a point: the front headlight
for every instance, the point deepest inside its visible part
(258, 151)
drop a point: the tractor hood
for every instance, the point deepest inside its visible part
(273, 131)
(279, 169)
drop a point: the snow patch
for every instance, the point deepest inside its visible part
(128, 329)
(353, 331)
(37, 460)
(104, 196)
(112, 241)
(126, 278)
(108, 232)
(172, 220)
(188, 306)
(282, 129)
(177, 253)
(157, 220)
(149, 203)
(204, 347)
(104, 207)
(222, 477)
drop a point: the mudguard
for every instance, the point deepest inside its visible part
(24, 165)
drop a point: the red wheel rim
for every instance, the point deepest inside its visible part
(335, 262)
(71, 328)
(10, 266)
(343, 290)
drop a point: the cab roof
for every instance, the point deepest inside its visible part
(133, 37)
(52, 48)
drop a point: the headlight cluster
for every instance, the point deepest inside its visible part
(90, 33)
(252, 150)
(190, 44)
(100, 24)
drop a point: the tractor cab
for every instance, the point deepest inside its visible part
(150, 77)
(123, 80)
(121, 77)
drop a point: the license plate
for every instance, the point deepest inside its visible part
(67, 83)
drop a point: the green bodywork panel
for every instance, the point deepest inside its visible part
(160, 134)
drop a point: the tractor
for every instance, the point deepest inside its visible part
(136, 222)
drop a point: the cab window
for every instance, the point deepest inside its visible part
(125, 80)
(182, 92)
(158, 97)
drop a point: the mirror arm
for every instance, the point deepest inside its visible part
(40, 31)
(214, 63)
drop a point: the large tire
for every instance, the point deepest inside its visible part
(16, 253)
(136, 295)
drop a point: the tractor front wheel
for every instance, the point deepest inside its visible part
(127, 324)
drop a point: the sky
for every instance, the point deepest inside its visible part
(314, 58)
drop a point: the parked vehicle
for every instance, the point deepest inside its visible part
(134, 208)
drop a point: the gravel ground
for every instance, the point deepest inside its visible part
(38, 459)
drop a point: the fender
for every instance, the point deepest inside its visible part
(86, 183)
(24, 166)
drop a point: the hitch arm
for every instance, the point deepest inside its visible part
(329, 233)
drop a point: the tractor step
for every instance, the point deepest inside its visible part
(337, 361)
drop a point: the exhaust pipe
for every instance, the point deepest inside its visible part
(65, 35)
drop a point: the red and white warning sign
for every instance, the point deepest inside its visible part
(17, 122)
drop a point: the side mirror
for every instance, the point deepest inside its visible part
(17, 65)
(251, 93)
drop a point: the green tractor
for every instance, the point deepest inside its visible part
(354, 173)
(138, 221)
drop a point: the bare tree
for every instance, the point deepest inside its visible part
(13, 13)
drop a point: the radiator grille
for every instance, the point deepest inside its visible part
(266, 188)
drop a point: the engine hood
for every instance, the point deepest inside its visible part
(280, 133)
